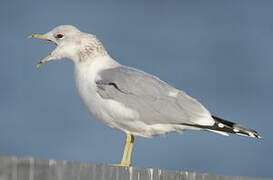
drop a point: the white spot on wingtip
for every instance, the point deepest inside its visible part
(236, 130)
(251, 134)
(220, 125)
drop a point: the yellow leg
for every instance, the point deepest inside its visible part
(126, 158)
(130, 149)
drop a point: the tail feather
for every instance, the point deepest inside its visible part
(231, 127)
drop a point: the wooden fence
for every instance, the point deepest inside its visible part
(13, 168)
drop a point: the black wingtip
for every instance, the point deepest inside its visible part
(236, 128)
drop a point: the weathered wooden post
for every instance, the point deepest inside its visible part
(13, 168)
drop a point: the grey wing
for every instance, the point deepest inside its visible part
(154, 100)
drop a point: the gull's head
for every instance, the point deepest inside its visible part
(71, 43)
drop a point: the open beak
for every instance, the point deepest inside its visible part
(49, 57)
(40, 63)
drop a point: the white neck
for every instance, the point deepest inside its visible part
(91, 67)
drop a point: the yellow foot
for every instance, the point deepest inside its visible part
(122, 165)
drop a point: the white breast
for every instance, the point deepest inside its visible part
(105, 110)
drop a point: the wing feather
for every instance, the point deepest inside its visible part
(156, 101)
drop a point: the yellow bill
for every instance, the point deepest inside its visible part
(48, 58)
(38, 36)
(41, 36)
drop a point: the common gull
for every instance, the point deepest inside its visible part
(135, 102)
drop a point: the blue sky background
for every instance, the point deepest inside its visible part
(218, 51)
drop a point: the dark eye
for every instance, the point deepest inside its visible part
(59, 36)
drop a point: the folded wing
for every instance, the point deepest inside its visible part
(155, 101)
